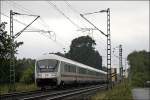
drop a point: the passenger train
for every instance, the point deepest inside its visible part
(54, 70)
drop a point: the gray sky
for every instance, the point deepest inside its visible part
(129, 25)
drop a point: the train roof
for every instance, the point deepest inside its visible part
(60, 58)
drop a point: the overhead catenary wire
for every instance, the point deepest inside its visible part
(70, 8)
(85, 29)
(38, 30)
(73, 9)
(19, 7)
(43, 23)
(35, 29)
(18, 21)
(76, 11)
(13, 19)
(29, 12)
(62, 13)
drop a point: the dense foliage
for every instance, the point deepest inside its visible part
(28, 75)
(5, 43)
(139, 67)
(82, 50)
(5, 49)
(24, 70)
(21, 65)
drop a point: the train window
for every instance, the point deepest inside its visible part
(69, 68)
(92, 73)
(66, 68)
(73, 68)
(98, 74)
(47, 65)
(88, 72)
(82, 70)
(79, 70)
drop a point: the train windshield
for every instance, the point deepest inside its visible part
(47, 65)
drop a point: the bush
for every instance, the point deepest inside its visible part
(138, 79)
(28, 75)
(139, 68)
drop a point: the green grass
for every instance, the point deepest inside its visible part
(20, 87)
(119, 92)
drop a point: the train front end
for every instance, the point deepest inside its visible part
(46, 72)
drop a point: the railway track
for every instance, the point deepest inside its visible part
(52, 94)
(15, 95)
(74, 92)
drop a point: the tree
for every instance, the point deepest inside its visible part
(23, 66)
(5, 49)
(139, 67)
(82, 50)
(5, 43)
(28, 75)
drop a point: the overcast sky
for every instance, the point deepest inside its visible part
(129, 25)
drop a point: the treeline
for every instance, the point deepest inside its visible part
(24, 70)
(139, 62)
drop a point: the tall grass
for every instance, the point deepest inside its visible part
(121, 91)
(20, 87)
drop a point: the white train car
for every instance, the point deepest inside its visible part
(53, 70)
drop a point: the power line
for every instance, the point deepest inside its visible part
(36, 30)
(14, 19)
(43, 23)
(54, 6)
(17, 21)
(73, 9)
(16, 6)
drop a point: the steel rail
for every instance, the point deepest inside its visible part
(73, 93)
(63, 93)
(9, 95)
(38, 94)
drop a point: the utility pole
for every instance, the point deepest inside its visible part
(120, 62)
(109, 48)
(109, 78)
(12, 65)
(12, 52)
